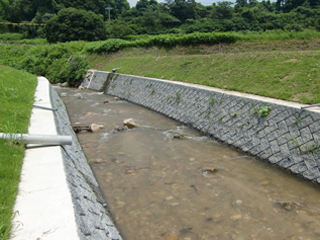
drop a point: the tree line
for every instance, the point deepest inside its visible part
(88, 19)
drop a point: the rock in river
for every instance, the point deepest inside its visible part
(130, 123)
(95, 127)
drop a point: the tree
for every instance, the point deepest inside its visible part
(288, 5)
(182, 9)
(142, 5)
(4, 7)
(96, 6)
(73, 24)
(121, 6)
(223, 10)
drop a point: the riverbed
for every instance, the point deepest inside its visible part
(164, 180)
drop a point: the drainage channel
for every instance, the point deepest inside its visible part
(163, 180)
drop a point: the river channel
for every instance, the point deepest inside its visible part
(166, 181)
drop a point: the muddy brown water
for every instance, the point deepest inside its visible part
(160, 187)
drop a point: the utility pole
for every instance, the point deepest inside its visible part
(109, 8)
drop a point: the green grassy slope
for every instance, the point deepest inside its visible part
(16, 96)
(287, 73)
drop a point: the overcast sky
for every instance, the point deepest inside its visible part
(204, 2)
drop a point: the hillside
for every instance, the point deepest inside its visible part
(287, 70)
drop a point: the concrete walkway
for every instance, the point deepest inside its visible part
(43, 205)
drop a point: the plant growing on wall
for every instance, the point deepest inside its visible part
(211, 101)
(263, 111)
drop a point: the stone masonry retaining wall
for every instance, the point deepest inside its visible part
(91, 216)
(288, 136)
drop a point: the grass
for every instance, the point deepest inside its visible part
(16, 96)
(19, 38)
(284, 70)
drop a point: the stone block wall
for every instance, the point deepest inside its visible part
(278, 132)
(91, 212)
(97, 80)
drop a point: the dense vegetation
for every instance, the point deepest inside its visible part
(151, 17)
(58, 62)
(67, 62)
(72, 24)
(274, 63)
(16, 96)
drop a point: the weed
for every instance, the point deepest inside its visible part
(220, 119)
(297, 121)
(113, 85)
(234, 114)
(197, 98)
(298, 118)
(178, 95)
(129, 92)
(152, 92)
(207, 116)
(10, 127)
(313, 148)
(211, 101)
(296, 142)
(263, 111)
(168, 98)
(185, 63)
(131, 80)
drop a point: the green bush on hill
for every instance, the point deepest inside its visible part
(58, 62)
(113, 45)
(72, 24)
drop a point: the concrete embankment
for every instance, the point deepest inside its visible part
(277, 131)
(58, 197)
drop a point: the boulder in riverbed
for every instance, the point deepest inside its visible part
(130, 123)
(95, 127)
(65, 84)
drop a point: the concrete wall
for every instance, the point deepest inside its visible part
(288, 136)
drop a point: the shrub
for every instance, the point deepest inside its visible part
(74, 71)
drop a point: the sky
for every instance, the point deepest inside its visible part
(203, 2)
